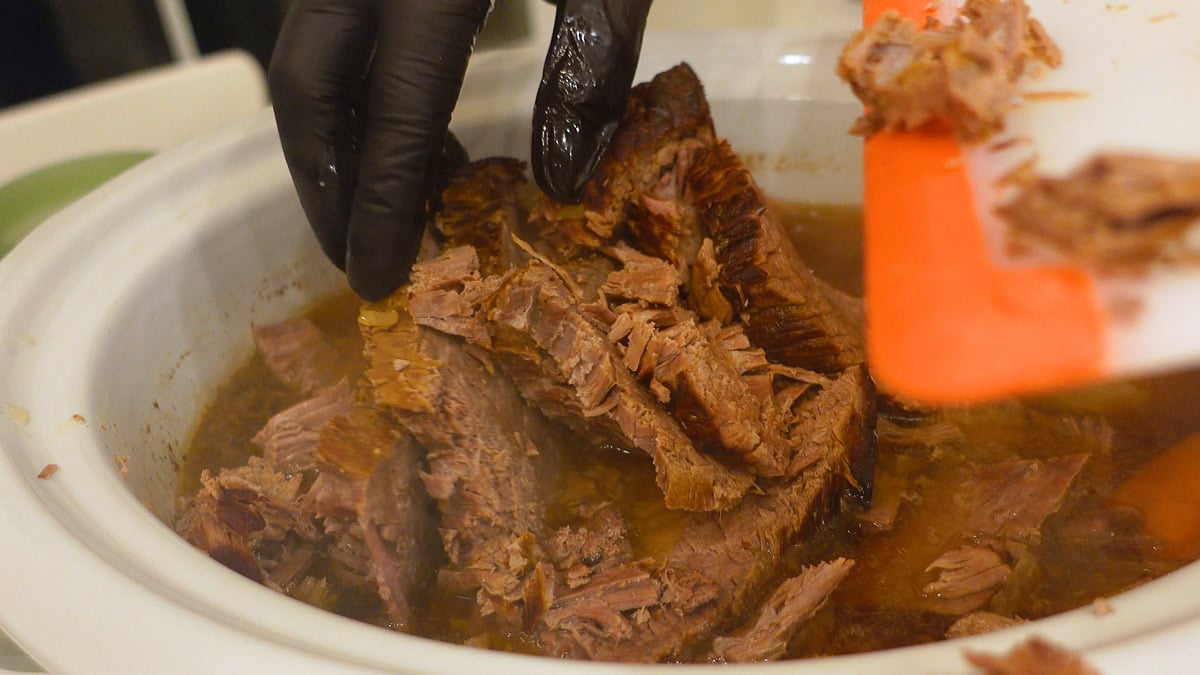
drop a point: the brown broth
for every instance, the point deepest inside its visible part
(878, 606)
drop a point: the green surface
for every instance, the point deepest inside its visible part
(34, 197)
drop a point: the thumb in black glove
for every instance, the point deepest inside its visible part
(363, 92)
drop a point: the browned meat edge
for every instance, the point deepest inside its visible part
(761, 275)
(782, 614)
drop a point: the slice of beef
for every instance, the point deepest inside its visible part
(482, 442)
(1011, 499)
(377, 465)
(962, 74)
(782, 614)
(250, 519)
(289, 439)
(761, 275)
(721, 563)
(641, 278)
(1035, 656)
(598, 544)
(299, 355)
(1116, 211)
(565, 364)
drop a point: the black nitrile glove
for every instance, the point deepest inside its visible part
(589, 71)
(363, 92)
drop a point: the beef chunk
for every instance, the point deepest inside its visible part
(250, 519)
(481, 440)
(1115, 212)
(783, 612)
(299, 355)
(963, 74)
(966, 577)
(1035, 656)
(565, 364)
(761, 275)
(721, 562)
(377, 466)
(289, 438)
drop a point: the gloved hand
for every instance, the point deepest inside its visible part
(363, 92)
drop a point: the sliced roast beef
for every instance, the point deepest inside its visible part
(782, 614)
(1011, 499)
(761, 275)
(289, 439)
(299, 355)
(250, 519)
(481, 442)
(378, 465)
(722, 562)
(566, 365)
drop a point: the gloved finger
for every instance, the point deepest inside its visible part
(316, 78)
(413, 86)
(586, 80)
(454, 155)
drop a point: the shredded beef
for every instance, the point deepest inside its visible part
(379, 464)
(783, 612)
(479, 437)
(485, 203)
(978, 623)
(483, 443)
(538, 324)
(963, 74)
(1116, 212)
(664, 119)
(966, 577)
(669, 315)
(250, 520)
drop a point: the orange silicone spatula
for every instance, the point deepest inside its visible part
(950, 318)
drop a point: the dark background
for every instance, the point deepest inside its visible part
(48, 46)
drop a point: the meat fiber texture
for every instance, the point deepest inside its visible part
(668, 315)
(334, 494)
(1117, 213)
